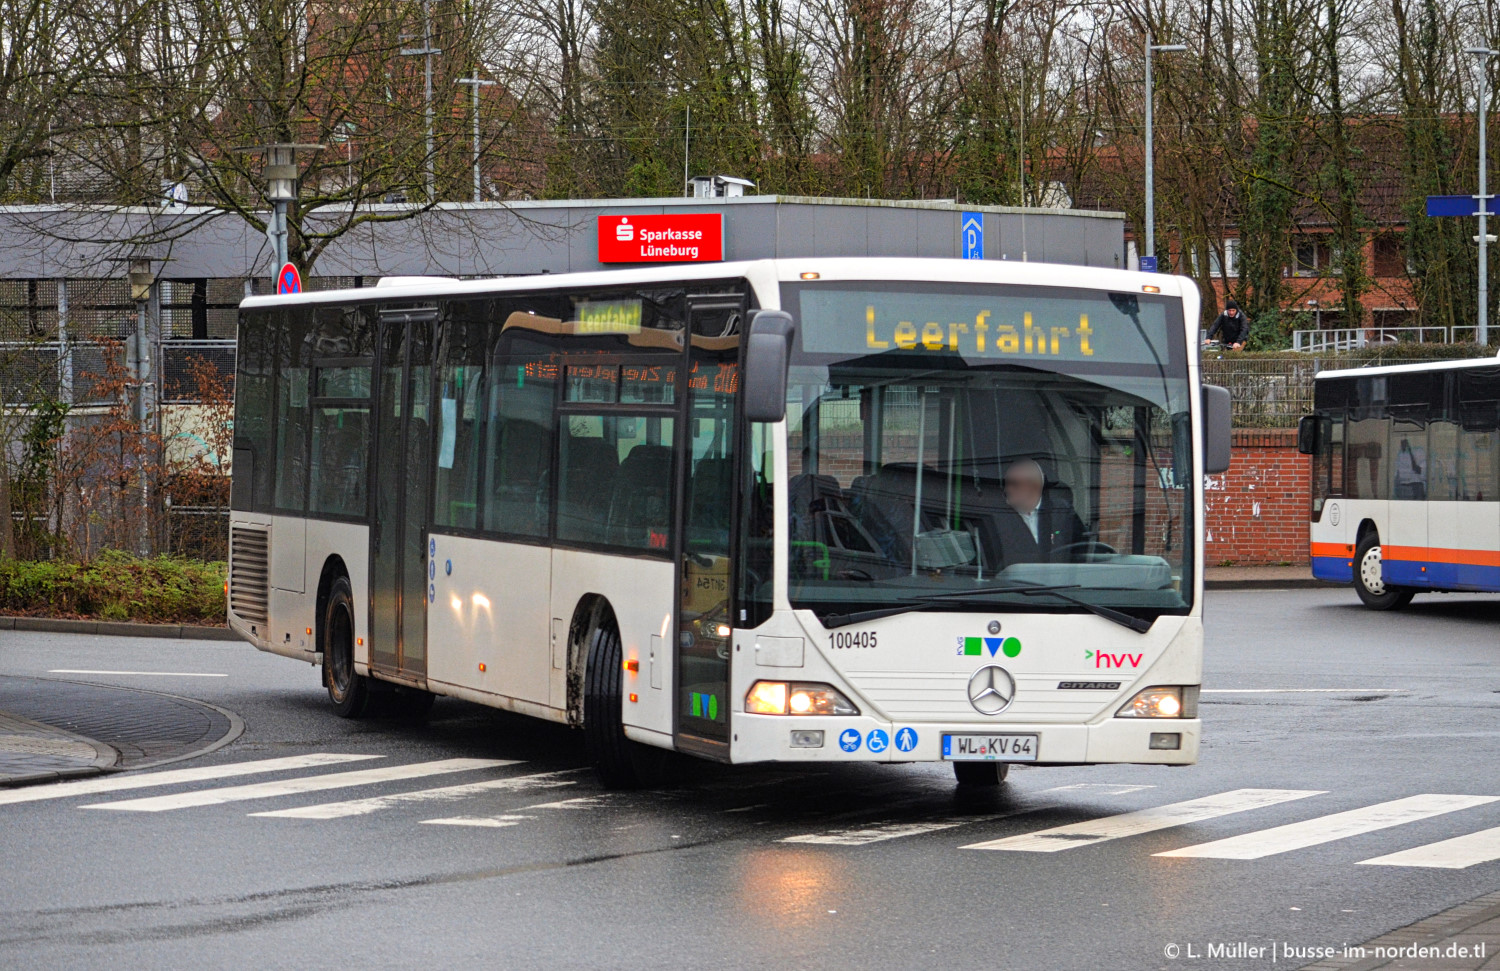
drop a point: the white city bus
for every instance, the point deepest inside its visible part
(746, 511)
(1406, 479)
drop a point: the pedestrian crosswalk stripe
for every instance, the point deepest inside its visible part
(363, 807)
(1143, 821)
(493, 822)
(1454, 854)
(895, 829)
(289, 787)
(1326, 829)
(168, 777)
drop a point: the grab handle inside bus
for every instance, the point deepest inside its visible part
(766, 356)
(1218, 427)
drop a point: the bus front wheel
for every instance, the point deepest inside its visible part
(618, 762)
(980, 773)
(349, 692)
(1369, 581)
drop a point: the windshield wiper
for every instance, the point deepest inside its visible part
(1030, 590)
(1056, 590)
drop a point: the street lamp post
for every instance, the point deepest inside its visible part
(1482, 332)
(426, 51)
(1150, 152)
(476, 83)
(282, 178)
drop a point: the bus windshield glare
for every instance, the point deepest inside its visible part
(971, 448)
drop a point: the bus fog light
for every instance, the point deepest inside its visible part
(807, 738)
(1166, 740)
(1156, 702)
(781, 698)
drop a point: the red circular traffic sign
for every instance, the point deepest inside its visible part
(288, 280)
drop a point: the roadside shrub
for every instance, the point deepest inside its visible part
(116, 586)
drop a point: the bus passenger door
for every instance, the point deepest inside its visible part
(399, 567)
(706, 537)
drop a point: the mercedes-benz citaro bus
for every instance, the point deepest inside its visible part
(806, 510)
(1406, 479)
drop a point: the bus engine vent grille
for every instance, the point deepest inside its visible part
(249, 573)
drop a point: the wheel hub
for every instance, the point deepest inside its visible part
(1369, 571)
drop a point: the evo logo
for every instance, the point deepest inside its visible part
(1103, 660)
(977, 646)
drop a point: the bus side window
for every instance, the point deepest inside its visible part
(252, 415)
(293, 352)
(520, 444)
(460, 417)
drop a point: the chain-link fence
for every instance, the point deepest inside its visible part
(1276, 392)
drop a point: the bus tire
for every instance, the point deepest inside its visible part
(1370, 584)
(618, 762)
(977, 774)
(349, 692)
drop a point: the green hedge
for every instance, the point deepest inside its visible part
(116, 586)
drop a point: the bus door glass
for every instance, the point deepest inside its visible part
(399, 567)
(705, 608)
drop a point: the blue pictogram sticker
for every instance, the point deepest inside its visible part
(432, 569)
(448, 568)
(849, 740)
(906, 740)
(877, 740)
(432, 547)
(431, 593)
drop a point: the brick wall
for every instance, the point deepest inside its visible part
(1256, 513)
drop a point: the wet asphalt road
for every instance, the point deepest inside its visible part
(768, 867)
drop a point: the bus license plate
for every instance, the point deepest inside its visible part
(990, 748)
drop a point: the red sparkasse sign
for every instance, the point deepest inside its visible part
(689, 237)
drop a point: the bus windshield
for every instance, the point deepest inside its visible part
(964, 448)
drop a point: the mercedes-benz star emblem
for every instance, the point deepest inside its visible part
(991, 690)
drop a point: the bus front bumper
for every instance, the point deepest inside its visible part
(781, 738)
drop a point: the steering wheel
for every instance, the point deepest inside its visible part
(1087, 547)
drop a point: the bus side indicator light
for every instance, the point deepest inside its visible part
(482, 668)
(632, 665)
(634, 697)
(359, 641)
(309, 630)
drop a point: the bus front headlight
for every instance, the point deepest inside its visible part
(796, 698)
(1159, 702)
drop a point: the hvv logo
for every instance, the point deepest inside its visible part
(1103, 660)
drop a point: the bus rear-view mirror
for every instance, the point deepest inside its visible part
(1218, 427)
(767, 353)
(1307, 434)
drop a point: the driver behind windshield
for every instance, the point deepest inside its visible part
(1036, 524)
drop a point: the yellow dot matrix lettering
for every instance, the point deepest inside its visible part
(870, 340)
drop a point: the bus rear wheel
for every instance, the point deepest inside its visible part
(1369, 582)
(979, 774)
(349, 692)
(618, 762)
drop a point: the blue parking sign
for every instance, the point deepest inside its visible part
(971, 235)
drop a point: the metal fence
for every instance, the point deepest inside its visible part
(1275, 392)
(1332, 341)
(178, 357)
(32, 371)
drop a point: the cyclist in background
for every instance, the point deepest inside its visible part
(1232, 327)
